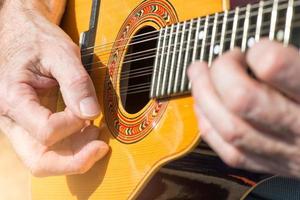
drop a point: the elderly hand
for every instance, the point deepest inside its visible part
(36, 56)
(252, 123)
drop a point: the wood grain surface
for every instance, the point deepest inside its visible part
(14, 179)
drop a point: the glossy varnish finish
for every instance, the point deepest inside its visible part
(124, 172)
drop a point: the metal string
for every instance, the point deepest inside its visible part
(137, 53)
(148, 56)
(132, 90)
(145, 87)
(140, 36)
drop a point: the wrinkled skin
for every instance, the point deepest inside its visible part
(36, 60)
(252, 123)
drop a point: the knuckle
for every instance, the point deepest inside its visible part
(232, 137)
(4, 111)
(34, 165)
(234, 160)
(36, 170)
(224, 60)
(232, 133)
(228, 59)
(204, 127)
(273, 64)
(30, 59)
(80, 79)
(47, 137)
(242, 99)
(47, 141)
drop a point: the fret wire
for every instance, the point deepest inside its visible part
(237, 30)
(210, 24)
(195, 45)
(137, 36)
(266, 31)
(224, 27)
(175, 88)
(242, 16)
(230, 32)
(152, 93)
(184, 75)
(257, 31)
(235, 24)
(213, 37)
(288, 24)
(259, 20)
(246, 26)
(273, 20)
(160, 69)
(173, 61)
(241, 29)
(166, 66)
(204, 38)
(196, 39)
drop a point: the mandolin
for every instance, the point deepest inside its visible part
(137, 53)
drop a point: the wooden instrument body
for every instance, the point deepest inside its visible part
(124, 172)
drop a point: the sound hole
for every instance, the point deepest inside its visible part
(137, 69)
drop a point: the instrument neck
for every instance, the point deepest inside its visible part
(206, 38)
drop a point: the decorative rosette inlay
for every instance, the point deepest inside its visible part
(125, 127)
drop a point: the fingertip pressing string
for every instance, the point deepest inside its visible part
(155, 32)
(147, 54)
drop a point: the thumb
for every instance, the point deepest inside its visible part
(76, 87)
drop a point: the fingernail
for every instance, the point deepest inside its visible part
(89, 107)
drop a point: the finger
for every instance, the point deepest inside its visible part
(74, 158)
(277, 65)
(236, 158)
(230, 155)
(37, 81)
(252, 100)
(231, 128)
(76, 86)
(47, 127)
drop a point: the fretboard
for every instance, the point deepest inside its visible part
(206, 38)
